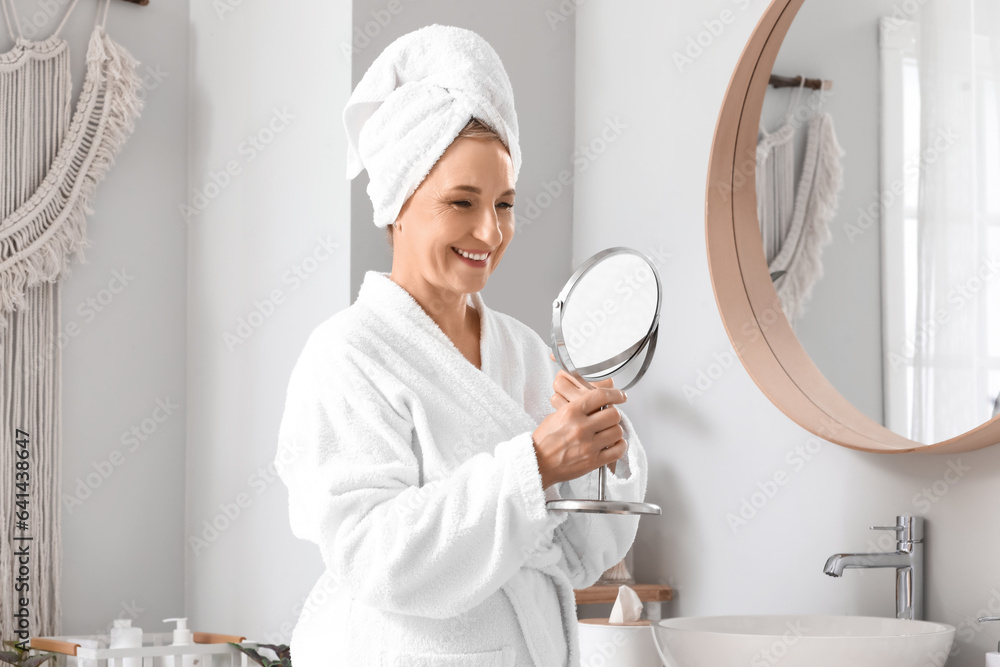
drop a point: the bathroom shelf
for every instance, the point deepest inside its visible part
(651, 596)
(213, 650)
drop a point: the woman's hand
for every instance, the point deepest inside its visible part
(580, 436)
(566, 388)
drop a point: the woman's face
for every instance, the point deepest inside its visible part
(466, 203)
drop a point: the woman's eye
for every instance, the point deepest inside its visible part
(505, 205)
(463, 204)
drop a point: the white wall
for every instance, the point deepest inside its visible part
(709, 454)
(262, 273)
(123, 339)
(537, 52)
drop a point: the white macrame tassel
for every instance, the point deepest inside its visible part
(815, 206)
(50, 165)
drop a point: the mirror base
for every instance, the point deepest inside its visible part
(601, 506)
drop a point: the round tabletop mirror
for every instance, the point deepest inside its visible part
(853, 219)
(604, 324)
(606, 317)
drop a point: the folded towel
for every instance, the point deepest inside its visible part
(413, 101)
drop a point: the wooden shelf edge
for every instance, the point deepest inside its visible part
(607, 594)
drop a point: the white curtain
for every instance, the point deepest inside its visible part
(955, 248)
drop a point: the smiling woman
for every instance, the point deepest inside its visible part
(423, 432)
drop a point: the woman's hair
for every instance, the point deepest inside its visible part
(474, 129)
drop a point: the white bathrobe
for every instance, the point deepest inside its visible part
(415, 473)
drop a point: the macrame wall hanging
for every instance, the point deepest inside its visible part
(50, 164)
(795, 221)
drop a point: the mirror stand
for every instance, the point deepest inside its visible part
(601, 505)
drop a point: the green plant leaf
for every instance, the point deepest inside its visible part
(283, 652)
(250, 652)
(22, 659)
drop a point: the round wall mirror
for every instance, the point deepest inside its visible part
(604, 324)
(853, 219)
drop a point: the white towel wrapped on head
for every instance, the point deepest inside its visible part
(413, 101)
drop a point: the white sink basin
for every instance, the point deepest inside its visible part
(801, 641)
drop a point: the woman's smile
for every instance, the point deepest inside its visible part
(476, 259)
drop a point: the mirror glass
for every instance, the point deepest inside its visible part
(609, 309)
(879, 199)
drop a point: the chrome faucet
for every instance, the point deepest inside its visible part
(908, 559)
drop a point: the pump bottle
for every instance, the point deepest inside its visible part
(182, 637)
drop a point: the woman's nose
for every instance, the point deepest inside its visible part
(489, 228)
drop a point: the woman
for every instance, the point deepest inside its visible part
(420, 440)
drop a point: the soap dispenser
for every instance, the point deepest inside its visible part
(992, 658)
(123, 635)
(182, 637)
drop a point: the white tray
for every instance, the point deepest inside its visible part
(211, 650)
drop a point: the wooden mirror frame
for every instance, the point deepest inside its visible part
(751, 312)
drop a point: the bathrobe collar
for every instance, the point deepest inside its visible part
(380, 293)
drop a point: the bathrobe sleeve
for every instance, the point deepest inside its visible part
(592, 543)
(346, 455)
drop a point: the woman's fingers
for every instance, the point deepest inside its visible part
(565, 379)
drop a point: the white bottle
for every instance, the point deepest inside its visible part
(123, 635)
(182, 637)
